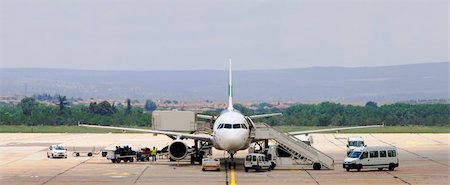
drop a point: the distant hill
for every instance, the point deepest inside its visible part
(390, 83)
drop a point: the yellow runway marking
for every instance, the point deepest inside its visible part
(233, 177)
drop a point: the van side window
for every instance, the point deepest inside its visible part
(50, 147)
(248, 158)
(392, 153)
(373, 154)
(364, 155)
(382, 153)
(254, 158)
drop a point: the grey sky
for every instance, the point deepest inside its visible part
(178, 35)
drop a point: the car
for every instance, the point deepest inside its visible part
(56, 151)
(210, 164)
(372, 157)
(258, 162)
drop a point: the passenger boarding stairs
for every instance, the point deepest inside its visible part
(302, 155)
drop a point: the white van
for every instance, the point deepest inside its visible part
(354, 142)
(257, 162)
(372, 157)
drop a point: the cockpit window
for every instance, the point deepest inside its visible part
(243, 126)
(220, 126)
(236, 125)
(227, 126)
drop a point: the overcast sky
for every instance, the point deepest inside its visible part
(180, 35)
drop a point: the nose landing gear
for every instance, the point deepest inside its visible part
(232, 162)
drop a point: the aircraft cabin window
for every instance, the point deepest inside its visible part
(227, 126)
(236, 125)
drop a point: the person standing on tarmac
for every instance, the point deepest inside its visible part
(153, 154)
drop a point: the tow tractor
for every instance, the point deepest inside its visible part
(125, 154)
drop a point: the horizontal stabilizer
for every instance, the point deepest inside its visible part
(204, 116)
(265, 115)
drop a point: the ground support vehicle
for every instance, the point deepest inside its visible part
(210, 164)
(125, 154)
(55, 151)
(377, 157)
(258, 162)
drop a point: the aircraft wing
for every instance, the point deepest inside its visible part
(264, 115)
(332, 129)
(202, 137)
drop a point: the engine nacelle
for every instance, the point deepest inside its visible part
(178, 149)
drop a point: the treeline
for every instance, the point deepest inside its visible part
(31, 112)
(327, 113)
(62, 112)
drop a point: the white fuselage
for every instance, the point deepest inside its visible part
(231, 132)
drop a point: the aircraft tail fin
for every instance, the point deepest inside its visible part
(230, 88)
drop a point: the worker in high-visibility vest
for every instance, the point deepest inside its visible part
(153, 154)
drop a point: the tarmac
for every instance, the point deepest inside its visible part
(424, 159)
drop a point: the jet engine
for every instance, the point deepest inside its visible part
(178, 149)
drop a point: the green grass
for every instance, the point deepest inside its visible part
(385, 129)
(77, 129)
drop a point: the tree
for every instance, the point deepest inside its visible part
(371, 104)
(150, 105)
(105, 108)
(28, 104)
(128, 109)
(62, 103)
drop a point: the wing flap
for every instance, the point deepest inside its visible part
(332, 129)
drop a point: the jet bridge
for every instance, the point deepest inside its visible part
(302, 156)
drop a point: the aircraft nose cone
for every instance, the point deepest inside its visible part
(232, 141)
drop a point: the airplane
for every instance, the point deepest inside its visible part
(231, 130)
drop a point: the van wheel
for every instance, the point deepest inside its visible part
(77, 154)
(391, 167)
(258, 168)
(359, 167)
(48, 156)
(246, 169)
(347, 169)
(117, 160)
(380, 169)
(203, 169)
(89, 154)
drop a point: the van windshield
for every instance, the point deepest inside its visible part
(356, 143)
(354, 154)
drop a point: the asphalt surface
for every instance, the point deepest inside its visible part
(424, 159)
